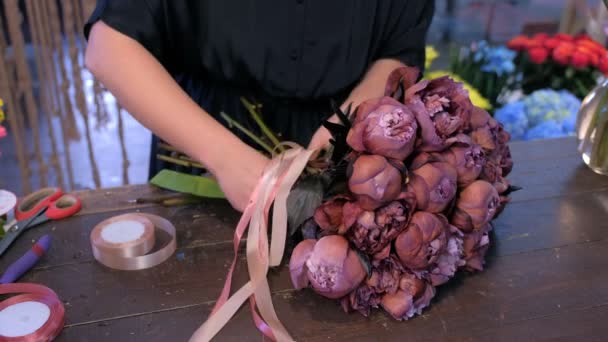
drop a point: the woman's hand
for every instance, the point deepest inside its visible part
(240, 175)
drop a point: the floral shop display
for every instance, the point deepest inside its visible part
(560, 61)
(545, 113)
(487, 68)
(401, 202)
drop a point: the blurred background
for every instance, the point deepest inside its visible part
(64, 129)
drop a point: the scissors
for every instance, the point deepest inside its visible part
(39, 207)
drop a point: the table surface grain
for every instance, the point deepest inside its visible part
(545, 279)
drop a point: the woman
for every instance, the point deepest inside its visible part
(176, 64)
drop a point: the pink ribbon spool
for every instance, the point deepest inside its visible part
(123, 242)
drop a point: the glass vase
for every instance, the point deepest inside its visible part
(592, 129)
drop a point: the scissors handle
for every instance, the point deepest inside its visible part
(64, 206)
(34, 203)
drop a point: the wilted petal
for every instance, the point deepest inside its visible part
(334, 269)
(423, 241)
(448, 262)
(375, 230)
(405, 77)
(297, 263)
(413, 296)
(329, 214)
(442, 108)
(475, 246)
(468, 159)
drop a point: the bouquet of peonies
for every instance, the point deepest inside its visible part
(401, 201)
(414, 180)
(561, 61)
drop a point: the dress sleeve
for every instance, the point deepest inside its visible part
(405, 32)
(138, 19)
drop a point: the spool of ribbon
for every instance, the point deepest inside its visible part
(35, 314)
(274, 186)
(126, 242)
(8, 200)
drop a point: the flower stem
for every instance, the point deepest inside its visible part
(247, 132)
(179, 161)
(265, 129)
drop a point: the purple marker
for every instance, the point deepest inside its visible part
(27, 261)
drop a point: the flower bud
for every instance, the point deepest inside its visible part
(374, 181)
(476, 206)
(334, 269)
(434, 185)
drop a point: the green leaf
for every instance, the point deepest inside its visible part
(305, 197)
(190, 184)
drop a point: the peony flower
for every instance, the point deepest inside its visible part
(297, 263)
(449, 261)
(468, 159)
(476, 206)
(486, 131)
(333, 268)
(329, 215)
(414, 294)
(373, 231)
(423, 241)
(434, 185)
(442, 108)
(475, 246)
(374, 181)
(385, 127)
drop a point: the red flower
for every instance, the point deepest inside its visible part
(562, 54)
(518, 43)
(594, 58)
(551, 43)
(540, 37)
(580, 59)
(603, 65)
(591, 45)
(538, 55)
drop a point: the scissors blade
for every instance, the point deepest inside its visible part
(8, 240)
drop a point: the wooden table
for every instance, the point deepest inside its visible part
(546, 275)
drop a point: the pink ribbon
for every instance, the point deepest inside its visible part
(273, 187)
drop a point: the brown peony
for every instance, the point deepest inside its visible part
(434, 185)
(385, 127)
(375, 181)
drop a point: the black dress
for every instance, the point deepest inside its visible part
(291, 56)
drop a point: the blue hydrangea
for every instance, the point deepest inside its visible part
(498, 59)
(544, 130)
(545, 113)
(513, 116)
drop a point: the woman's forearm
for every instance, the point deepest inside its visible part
(147, 91)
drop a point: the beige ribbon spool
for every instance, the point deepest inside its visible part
(123, 242)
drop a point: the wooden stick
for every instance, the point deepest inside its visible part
(65, 111)
(123, 146)
(68, 21)
(36, 15)
(15, 18)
